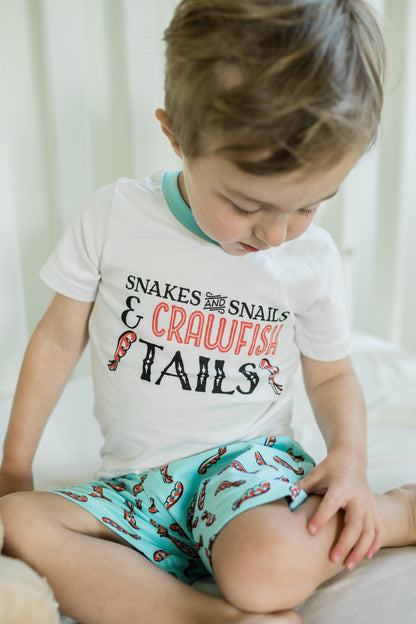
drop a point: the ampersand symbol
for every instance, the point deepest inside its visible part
(130, 317)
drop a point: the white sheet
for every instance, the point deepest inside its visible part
(379, 591)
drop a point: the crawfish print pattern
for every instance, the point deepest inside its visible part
(173, 514)
(123, 345)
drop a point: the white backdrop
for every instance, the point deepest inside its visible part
(79, 83)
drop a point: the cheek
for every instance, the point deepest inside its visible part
(231, 228)
(297, 228)
(218, 223)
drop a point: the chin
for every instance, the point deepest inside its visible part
(235, 251)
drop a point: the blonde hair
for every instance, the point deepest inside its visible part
(274, 85)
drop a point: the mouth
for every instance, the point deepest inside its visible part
(249, 248)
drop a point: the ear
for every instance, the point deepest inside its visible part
(163, 119)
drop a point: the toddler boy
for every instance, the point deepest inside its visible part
(200, 291)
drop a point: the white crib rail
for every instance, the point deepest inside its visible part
(79, 83)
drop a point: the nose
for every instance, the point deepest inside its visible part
(271, 230)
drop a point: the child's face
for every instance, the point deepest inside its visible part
(247, 213)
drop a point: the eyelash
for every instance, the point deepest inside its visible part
(241, 211)
(307, 211)
(247, 213)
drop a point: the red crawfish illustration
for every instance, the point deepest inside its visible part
(78, 497)
(201, 499)
(211, 461)
(262, 462)
(282, 462)
(228, 484)
(123, 345)
(199, 545)
(118, 487)
(174, 496)
(259, 459)
(166, 477)
(139, 486)
(295, 490)
(296, 458)
(274, 371)
(163, 532)
(98, 493)
(208, 518)
(192, 522)
(153, 509)
(119, 528)
(208, 551)
(239, 466)
(160, 555)
(257, 490)
(270, 441)
(129, 515)
(177, 529)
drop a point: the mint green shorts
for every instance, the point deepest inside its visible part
(173, 514)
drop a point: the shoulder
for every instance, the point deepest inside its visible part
(136, 191)
(120, 201)
(128, 189)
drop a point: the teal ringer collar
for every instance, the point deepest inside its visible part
(178, 206)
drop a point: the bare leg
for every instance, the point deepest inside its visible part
(398, 508)
(266, 560)
(96, 578)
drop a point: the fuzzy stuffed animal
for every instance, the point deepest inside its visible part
(25, 598)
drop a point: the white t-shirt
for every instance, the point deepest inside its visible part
(192, 347)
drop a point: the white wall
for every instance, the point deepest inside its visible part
(374, 219)
(79, 83)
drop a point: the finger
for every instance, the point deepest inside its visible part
(350, 535)
(360, 548)
(377, 542)
(327, 509)
(308, 483)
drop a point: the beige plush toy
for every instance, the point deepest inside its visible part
(25, 598)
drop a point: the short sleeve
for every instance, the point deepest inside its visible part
(321, 329)
(74, 267)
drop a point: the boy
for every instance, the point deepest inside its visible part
(198, 290)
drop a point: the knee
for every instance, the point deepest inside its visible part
(16, 518)
(262, 574)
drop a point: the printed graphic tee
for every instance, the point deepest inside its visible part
(191, 347)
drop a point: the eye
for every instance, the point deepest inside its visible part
(243, 211)
(308, 211)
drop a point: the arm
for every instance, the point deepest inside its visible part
(53, 351)
(338, 404)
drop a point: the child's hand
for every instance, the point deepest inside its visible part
(344, 486)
